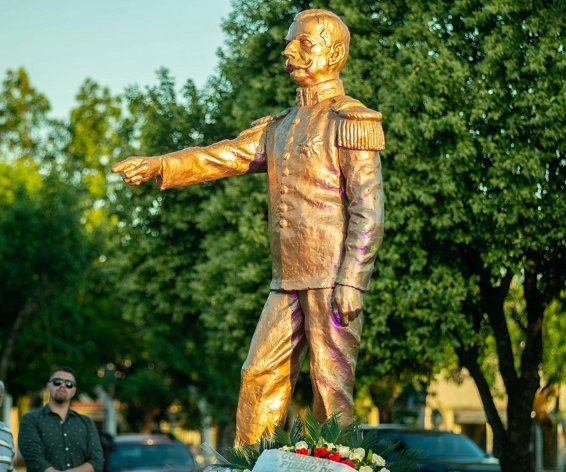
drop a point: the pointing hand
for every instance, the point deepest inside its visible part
(136, 170)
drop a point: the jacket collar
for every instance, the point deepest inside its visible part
(307, 96)
(45, 410)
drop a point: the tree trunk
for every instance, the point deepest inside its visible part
(6, 361)
(512, 442)
(148, 421)
(386, 411)
(383, 394)
(545, 400)
(518, 454)
(225, 437)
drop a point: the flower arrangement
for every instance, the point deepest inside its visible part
(356, 458)
(327, 442)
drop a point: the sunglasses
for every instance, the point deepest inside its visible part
(57, 382)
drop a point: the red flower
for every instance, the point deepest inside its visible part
(321, 452)
(302, 452)
(336, 457)
(349, 463)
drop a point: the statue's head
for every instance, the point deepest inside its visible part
(317, 47)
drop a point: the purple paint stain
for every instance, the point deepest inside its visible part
(336, 321)
(325, 184)
(258, 164)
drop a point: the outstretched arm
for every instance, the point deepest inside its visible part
(238, 156)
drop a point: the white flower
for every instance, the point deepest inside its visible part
(378, 460)
(343, 450)
(301, 445)
(357, 454)
(384, 470)
(247, 470)
(365, 468)
(330, 446)
(285, 448)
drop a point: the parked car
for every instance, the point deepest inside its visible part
(438, 451)
(148, 453)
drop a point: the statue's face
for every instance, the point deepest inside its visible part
(307, 53)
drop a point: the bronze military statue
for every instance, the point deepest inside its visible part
(325, 219)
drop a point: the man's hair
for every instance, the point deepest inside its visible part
(1, 387)
(63, 368)
(332, 27)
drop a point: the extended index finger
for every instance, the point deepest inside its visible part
(125, 166)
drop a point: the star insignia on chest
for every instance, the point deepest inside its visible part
(311, 147)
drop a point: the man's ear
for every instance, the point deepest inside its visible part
(337, 53)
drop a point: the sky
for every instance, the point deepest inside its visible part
(117, 43)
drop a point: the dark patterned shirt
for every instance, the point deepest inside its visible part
(45, 440)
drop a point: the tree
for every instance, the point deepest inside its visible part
(43, 254)
(94, 138)
(474, 177)
(55, 296)
(474, 174)
(157, 247)
(23, 114)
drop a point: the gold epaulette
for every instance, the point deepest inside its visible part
(359, 128)
(268, 119)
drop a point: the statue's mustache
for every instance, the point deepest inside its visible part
(292, 65)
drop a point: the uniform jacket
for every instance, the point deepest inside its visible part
(325, 190)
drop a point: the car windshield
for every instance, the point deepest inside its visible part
(141, 456)
(443, 445)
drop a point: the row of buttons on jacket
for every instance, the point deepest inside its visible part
(283, 207)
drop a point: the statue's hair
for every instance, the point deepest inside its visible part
(332, 22)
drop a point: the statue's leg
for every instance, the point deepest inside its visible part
(333, 356)
(271, 368)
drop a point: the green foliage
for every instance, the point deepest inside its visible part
(23, 114)
(157, 249)
(473, 176)
(231, 284)
(472, 95)
(554, 357)
(474, 173)
(45, 257)
(57, 296)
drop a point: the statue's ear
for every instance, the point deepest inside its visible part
(337, 53)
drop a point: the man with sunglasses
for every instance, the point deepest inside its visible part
(56, 438)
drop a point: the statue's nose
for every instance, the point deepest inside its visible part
(289, 51)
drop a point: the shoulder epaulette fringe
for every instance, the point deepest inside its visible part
(360, 128)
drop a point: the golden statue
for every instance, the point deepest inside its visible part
(325, 219)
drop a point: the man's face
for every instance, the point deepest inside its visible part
(307, 53)
(62, 387)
